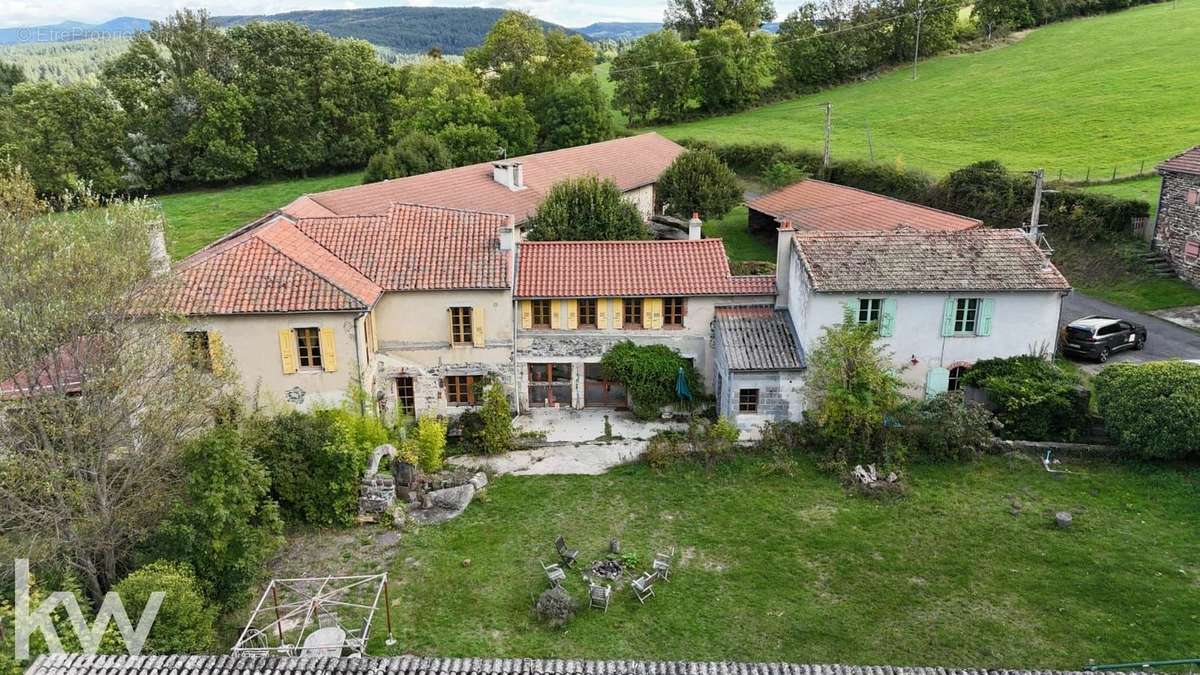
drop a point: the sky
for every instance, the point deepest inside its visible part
(574, 13)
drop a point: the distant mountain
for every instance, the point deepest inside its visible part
(70, 31)
(617, 30)
(403, 29)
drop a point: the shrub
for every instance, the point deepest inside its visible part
(664, 449)
(782, 174)
(556, 606)
(649, 373)
(1152, 409)
(430, 442)
(698, 182)
(225, 526)
(185, 624)
(415, 153)
(948, 427)
(1034, 398)
(316, 461)
(497, 433)
(715, 441)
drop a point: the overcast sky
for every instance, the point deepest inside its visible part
(565, 12)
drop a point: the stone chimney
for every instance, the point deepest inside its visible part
(694, 226)
(160, 262)
(510, 174)
(783, 262)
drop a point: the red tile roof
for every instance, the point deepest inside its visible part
(587, 269)
(817, 205)
(982, 259)
(1185, 162)
(341, 264)
(630, 162)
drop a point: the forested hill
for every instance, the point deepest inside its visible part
(404, 29)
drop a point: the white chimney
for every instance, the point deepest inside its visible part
(783, 262)
(509, 174)
(694, 226)
(160, 262)
(507, 234)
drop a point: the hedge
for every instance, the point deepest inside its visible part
(1034, 399)
(1153, 409)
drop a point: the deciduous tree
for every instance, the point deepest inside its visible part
(586, 209)
(733, 66)
(698, 182)
(415, 153)
(575, 112)
(689, 17)
(655, 78)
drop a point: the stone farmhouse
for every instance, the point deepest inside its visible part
(1177, 226)
(429, 287)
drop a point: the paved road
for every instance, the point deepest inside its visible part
(1166, 340)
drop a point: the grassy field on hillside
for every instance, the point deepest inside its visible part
(773, 567)
(195, 219)
(1097, 92)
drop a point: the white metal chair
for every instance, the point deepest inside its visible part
(662, 564)
(599, 596)
(554, 573)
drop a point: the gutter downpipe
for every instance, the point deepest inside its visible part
(514, 307)
(362, 405)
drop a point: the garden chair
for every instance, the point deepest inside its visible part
(599, 596)
(568, 555)
(554, 574)
(662, 564)
(643, 587)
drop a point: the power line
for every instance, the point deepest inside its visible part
(870, 24)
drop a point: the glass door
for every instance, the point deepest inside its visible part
(549, 385)
(599, 392)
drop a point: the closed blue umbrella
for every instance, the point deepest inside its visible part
(681, 386)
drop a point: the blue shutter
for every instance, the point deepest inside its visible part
(948, 317)
(887, 317)
(937, 381)
(984, 326)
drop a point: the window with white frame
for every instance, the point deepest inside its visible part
(966, 315)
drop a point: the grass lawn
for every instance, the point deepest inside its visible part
(790, 568)
(1087, 93)
(1145, 295)
(195, 219)
(1145, 189)
(740, 245)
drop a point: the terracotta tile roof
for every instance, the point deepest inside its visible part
(342, 263)
(631, 162)
(586, 269)
(78, 664)
(817, 205)
(758, 338)
(983, 259)
(418, 247)
(1185, 162)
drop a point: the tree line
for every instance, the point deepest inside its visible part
(190, 104)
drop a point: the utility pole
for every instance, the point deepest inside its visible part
(917, 45)
(828, 133)
(1039, 180)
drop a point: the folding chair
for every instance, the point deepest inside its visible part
(568, 555)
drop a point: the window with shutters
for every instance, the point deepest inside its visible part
(633, 314)
(747, 400)
(460, 390)
(406, 396)
(199, 351)
(966, 315)
(541, 313)
(461, 328)
(308, 347)
(587, 313)
(870, 310)
(955, 383)
(1193, 197)
(673, 312)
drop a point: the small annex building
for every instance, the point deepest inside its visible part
(1177, 225)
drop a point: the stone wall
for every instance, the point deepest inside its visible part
(429, 391)
(1178, 223)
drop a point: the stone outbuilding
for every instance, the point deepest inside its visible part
(1177, 227)
(759, 366)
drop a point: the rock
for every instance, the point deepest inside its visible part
(388, 539)
(1063, 519)
(614, 546)
(479, 481)
(467, 562)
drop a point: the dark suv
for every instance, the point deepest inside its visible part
(1095, 337)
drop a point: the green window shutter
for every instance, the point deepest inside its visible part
(984, 326)
(887, 317)
(937, 381)
(948, 317)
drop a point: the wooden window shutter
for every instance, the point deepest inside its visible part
(526, 314)
(216, 352)
(477, 327)
(328, 350)
(937, 381)
(601, 313)
(983, 325)
(653, 310)
(572, 314)
(618, 312)
(287, 350)
(1193, 197)
(948, 317)
(372, 334)
(887, 317)
(555, 314)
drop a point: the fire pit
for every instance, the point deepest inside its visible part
(608, 569)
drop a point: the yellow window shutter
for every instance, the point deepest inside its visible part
(477, 327)
(526, 314)
(450, 326)
(328, 350)
(372, 336)
(653, 309)
(618, 313)
(178, 345)
(601, 313)
(287, 350)
(216, 352)
(555, 314)
(572, 314)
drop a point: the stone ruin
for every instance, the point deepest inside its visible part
(432, 498)
(377, 493)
